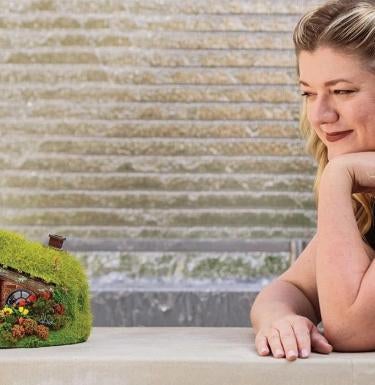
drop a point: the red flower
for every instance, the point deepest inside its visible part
(21, 302)
(32, 298)
(46, 295)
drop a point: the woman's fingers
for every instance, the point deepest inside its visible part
(275, 344)
(261, 344)
(283, 341)
(319, 343)
(291, 338)
(302, 331)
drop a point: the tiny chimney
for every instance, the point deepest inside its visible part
(56, 241)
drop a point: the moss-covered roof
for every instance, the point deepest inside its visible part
(39, 261)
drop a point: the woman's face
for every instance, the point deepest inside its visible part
(340, 96)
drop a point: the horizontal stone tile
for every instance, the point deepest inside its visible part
(159, 58)
(26, 74)
(282, 75)
(87, 56)
(156, 164)
(184, 265)
(198, 58)
(40, 233)
(147, 39)
(144, 129)
(91, 76)
(172, 147)
(157, 147)
(143, 200)
(121, 22)
(40, 22)
(152, 111)
(187, 7)
(155, 6)
(128, 217)
(158, 182)
(164, 93)
(195, 23)
(37, 22)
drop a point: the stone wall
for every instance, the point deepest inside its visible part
(160, 137)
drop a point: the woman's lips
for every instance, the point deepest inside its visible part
(337, 136)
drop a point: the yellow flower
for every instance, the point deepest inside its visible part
(7, 310)
(22, 310)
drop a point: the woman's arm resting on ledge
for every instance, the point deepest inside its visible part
(284, 322)
(345, 274)
(278, 299)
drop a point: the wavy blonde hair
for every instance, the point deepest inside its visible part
(348, 26)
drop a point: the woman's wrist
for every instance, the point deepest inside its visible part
(336, 179)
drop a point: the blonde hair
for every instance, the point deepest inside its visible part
(348, 26)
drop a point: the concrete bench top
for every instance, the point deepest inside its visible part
(177, 356)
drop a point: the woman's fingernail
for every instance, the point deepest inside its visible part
(292, 353)
(264, 351)
(279, 353)
(304, 353)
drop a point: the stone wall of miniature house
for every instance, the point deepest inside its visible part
(159, 136)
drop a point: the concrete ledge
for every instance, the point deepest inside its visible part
(177, 356)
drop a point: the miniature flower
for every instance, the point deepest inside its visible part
(7, 310)
(30, 326)
(18, 331)
(32, 298)
(22, 310)
(46, 295)
(42, 331)
(21, 302)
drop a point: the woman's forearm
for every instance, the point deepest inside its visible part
(341, 258)
(278, 299)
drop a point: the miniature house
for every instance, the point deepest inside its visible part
(44, 296)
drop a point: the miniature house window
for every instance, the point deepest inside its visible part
(15, 297)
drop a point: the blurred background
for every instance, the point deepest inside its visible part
(160, 137)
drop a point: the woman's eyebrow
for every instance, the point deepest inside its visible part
(329, 83)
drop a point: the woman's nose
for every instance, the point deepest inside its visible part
(322, 111)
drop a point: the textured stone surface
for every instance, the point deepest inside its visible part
(187, 356)
(154, 129)
(18, 198)
(223, 304)
(178, 264)
(162, 129)
(39, 232)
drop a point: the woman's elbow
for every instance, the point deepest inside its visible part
(349, 339)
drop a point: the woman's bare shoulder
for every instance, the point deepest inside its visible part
(302, 274)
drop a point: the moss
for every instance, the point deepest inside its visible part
(274, 265)
(57, 268)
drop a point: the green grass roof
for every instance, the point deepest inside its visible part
(51, 265)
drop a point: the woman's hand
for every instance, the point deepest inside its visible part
(292, 333)
(359, 168)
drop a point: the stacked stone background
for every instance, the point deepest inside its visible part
(160, 137)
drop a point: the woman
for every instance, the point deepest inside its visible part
(333, 280)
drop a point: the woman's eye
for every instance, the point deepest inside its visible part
(342, 92)
(307, 94)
